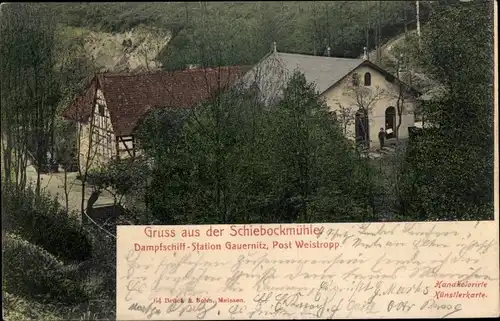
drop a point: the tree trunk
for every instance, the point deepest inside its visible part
(66, 191)
(399, 104)
(92, 200)
(38, 136)
(7, 162)
(399, 125)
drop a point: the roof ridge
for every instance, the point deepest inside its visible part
(143, 73)
(313, 56)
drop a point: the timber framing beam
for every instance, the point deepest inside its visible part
(124, 141)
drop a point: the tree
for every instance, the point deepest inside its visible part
(64, 148)
(402, 93)
(346, 116)
(202, 42)
(88, 144)
(318, 174)
(448, 170)
(119, 177)
(231, 160)
(30, 90)
(83, 120)
(178, 188)
(74, 67)
(361, 101)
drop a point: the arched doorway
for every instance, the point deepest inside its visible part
(362, 127)
(390, 122)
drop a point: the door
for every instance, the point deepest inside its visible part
(390, 122)
(362, 127)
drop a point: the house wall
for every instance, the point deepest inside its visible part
(126, 147)
(99, 131)
(381, 93)
(270, 76)
(83, 130)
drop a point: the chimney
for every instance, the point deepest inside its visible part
(274, 47)
(365, 53)
(328, 50)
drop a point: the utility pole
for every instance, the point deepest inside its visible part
(367, 41)
(327, 7)
(378, 32)
(418, 23)
(405, 18)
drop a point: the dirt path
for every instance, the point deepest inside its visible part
(387, 51)
(53, 184)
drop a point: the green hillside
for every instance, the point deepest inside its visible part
(242, 32)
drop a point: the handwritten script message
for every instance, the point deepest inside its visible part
(307, 271)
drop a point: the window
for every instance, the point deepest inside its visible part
(109, 144)
(355, 79)
(101, 110)
(368, 79)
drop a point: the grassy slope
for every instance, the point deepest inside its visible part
(19, 307)
(34, 265)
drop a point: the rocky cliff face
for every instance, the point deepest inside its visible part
(133, 50)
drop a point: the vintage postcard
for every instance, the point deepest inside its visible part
(249, 160)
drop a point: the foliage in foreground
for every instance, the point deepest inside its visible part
(234, 161)
(19, 309)
(448, 171)
(42, 221)
(53, 267)
(125, 179)
(38, 286)
(32, 272)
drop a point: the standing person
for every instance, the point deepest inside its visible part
(381, 137)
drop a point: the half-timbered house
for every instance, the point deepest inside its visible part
(109, 110)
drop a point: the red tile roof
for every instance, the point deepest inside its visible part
(130, 96)
(81, 107)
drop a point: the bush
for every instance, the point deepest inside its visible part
(39, 286)
(100, 269)
(19, 309)
(41, 221)
(32, 272)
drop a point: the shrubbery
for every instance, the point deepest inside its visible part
(55, 268)
(447, 173)
(32, 272)
(233, 161)
(39, 286)
(19, 309)
(41, 221)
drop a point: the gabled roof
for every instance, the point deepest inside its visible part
(272, 73)
(320, 70)
(130, 96)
